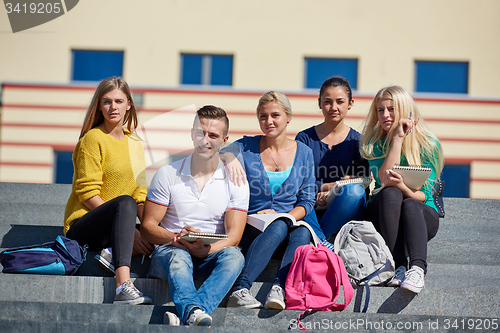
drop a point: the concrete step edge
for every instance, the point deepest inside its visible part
(272, 321)
(431, 301)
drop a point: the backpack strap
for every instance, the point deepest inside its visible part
(339, 267)
(59, 243)
(364, 282)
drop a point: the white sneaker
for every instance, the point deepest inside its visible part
(276, 298)
(171, 319)
(131, 295)
(414, 279)
(243, 299)
(105, 258)
(198, 317)
(398, 278)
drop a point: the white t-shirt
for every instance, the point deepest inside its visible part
(174, 187)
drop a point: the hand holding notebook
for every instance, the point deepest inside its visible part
(413, 176)
(193, 235)
(205, 237)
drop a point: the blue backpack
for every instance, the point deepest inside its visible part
(60, 257)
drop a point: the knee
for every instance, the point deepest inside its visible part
(391, 193)
(301, 234)
(350, 195)
(354, 190)
(127, 203)
(357, 193)
(233, 257)
(176, 258)
(279, 227)
(410, 205)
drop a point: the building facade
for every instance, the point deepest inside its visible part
(182, 55)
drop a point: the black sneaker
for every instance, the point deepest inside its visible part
(130, 295)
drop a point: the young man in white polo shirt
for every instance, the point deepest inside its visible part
(195, 195)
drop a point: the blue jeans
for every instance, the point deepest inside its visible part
(178, 267)
(347, 205)
(263, 246)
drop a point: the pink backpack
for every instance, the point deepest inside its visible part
(314, 280)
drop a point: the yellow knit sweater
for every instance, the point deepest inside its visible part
(106, 167)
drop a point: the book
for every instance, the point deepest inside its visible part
(363, 181)
(413, 176)
(206, 238)
(261, 221)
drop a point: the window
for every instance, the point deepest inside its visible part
(457, 180)
(91, 65)
(441, 77)
(63, 173)
(207, 69)
(317, 70)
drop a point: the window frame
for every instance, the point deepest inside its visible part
(423, 69)
(106, 73)
(206, 72)
(353, 78)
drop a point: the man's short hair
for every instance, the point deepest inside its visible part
(214, 112)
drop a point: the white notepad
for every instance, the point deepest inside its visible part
(413, 176)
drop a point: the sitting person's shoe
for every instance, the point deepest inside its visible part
(243, 299)
(171, 319)
(105, 258)
(198, 317)
(398, 278)
(131, 295)
(276, 298)
(327, 244)
(414, 280)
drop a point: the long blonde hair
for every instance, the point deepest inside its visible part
(94, 116)
(421, 143)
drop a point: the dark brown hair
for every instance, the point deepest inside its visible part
(336, 81)
(214, 112)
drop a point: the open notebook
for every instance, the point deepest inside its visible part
(261, 221)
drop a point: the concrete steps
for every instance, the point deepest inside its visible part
(463, 266)
(444, 294)
(53, 317)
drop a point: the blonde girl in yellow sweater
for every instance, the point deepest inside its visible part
(109, 187)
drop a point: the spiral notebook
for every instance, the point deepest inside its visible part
(206, 238)
(363, 181)
(413, 176)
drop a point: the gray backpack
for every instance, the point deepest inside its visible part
(366, 257)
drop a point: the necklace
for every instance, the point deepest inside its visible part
(278, 168)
